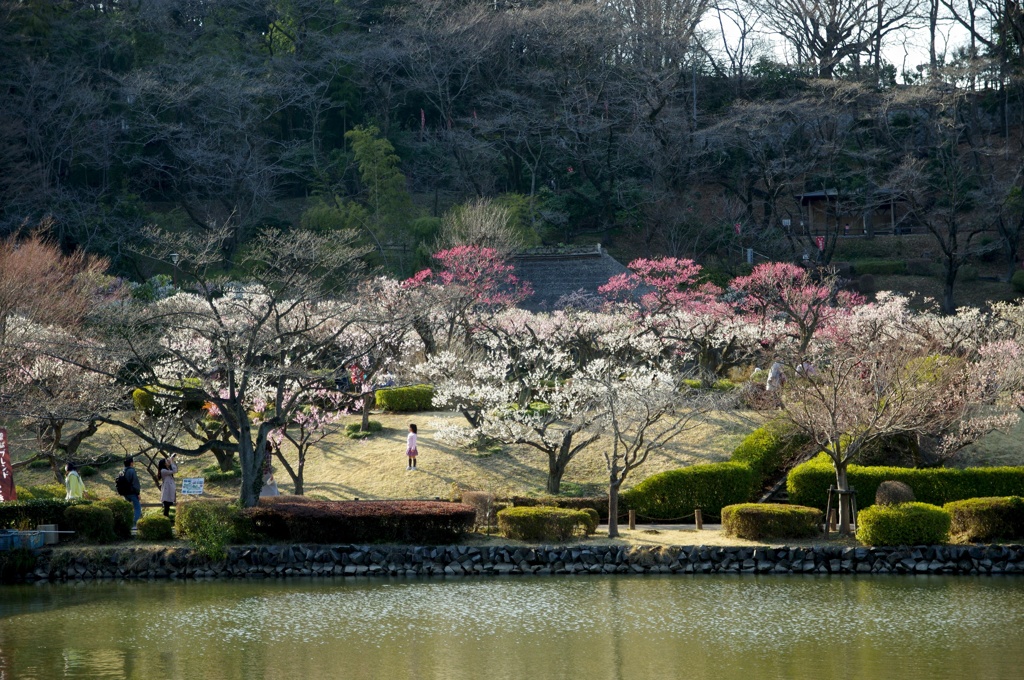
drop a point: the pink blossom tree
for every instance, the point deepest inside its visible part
(779, 290)
(472, 281)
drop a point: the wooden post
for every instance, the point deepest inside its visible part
(698, 517)
(832, 520)
(632, 519)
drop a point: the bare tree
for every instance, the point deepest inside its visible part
(825, 34)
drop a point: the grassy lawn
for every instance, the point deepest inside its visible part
(374, 468)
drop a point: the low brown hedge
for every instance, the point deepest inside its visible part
(759, 521)
(310, 521)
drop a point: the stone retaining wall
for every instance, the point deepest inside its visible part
(276, 561)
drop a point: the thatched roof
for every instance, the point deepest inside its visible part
(559, 272)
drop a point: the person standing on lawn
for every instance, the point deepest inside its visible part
(410, 447)
(73, 483)
(168, 492)
(128, 485)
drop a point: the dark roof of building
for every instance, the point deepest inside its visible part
(556, 273)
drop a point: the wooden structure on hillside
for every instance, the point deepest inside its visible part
(826, 211)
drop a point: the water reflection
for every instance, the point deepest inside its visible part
(538, 628)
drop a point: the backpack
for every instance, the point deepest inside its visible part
(123, 485)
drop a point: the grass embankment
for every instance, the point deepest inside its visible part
(374, 468)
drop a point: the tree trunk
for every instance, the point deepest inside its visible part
(613, 507)
(845, 507)
(364, 426)
(557, 462)
(555, 471)
(948, 306)
(225, 459)
(251, 456)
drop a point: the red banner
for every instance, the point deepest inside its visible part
(738, 227)
(820, 240)
(7, 491)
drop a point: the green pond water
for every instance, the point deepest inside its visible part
(906, 628)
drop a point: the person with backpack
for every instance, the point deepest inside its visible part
(127, 484)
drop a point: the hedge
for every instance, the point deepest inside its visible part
(674, 494)
(155, 528)
(406, 399)
(880, 267)
(903, 524)
(30, 514)
(765, 450)
(541, 524)
(593, 520)
(312, 521)
(210, 525)
(1018, 281)
(759, 521)
(808, 483)
(599, 504)
(986, 519)
(92, 523)
(124, 515)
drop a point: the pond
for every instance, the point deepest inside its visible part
(517, 628)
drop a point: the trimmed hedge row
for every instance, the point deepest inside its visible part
(986, 519)
(406, 399)
(92, 523)
(903, 524)
(880, 267)
(543, 524)
(759, 521)
(808, 483)
(31, 513)
(360, 521)
(598, 504)
(765, 449)
(155, 528)
(123, 513)
(674, 494)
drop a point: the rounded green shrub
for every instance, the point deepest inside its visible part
(88, 471)
(155, 528)
(211, 525)
(541, 524)
(675, 494)
(766, 449)
(986, 519)
(593, 521)
(90, 522)
(1018, 281)
(406, 399)
(124, 515)
(904, 524)
(144, 401)
(354, 431)
(23, 493)
(759, 521)
(892, 492)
